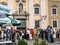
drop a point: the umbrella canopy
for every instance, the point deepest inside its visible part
(9, 20)
(5, 9)
(8, 24)
(5, 20)
(14, 21)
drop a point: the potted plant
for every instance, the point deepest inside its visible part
(22, 42)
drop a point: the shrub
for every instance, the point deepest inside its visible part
(43, 42)
(36, 41)
(22, 42)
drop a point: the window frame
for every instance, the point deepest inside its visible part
(20, 2)
(38, 23)
(52, 11)
(39, 11)
(52, 22)
(21, 8)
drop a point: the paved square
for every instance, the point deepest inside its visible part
(55, 43)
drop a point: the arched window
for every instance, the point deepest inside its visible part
(20, 8)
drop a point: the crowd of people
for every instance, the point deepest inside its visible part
(52, 34)
(49, 34)
(7, 34)
(12, 34)
(27, 34)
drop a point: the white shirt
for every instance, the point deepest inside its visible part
(28, 32)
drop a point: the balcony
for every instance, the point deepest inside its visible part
(21, 16)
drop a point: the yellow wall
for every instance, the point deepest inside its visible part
(27, 5)
(47, 18)
(14, 6)
(51, 17)
(49, 3)
(37, 17)
(36, 1)
(3, 0)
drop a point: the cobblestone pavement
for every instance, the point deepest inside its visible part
(57, 42)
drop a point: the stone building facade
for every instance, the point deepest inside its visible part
(35, 13)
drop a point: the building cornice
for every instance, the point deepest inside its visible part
(19, 0)
(3, 3)
(36, 5)
(55, 0)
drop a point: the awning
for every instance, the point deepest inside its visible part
(14, 21)
(8, 20)
(5, 20)
(8, 24)
(5, 9)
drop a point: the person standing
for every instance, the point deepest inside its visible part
(15, 33)
(41, 34)
(2, 33)
(32, 32)
(45, 32)
(20, 34)
(35, 30)
(54, 34)
(49, 34)
(28, 33)
(7, 35)
(52, 39)
(58, 33)
(11, 32)
(23, 32)
(38, 34)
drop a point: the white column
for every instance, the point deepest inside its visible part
(27, 23)
(43, 13)
(24, 8)
(10, 3)
(31, 12)
(17, 8)
(43, 7)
